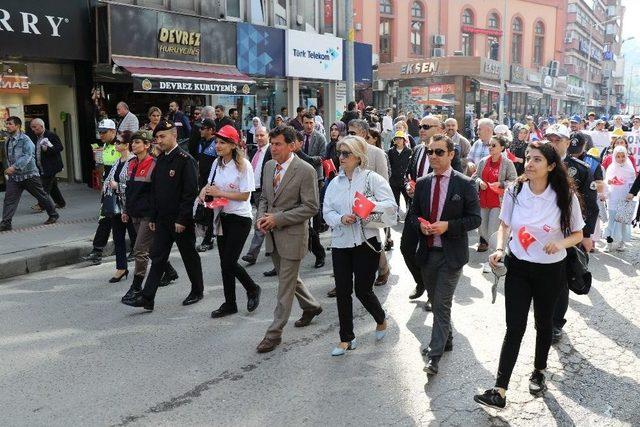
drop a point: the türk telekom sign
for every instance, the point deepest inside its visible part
(45, 29)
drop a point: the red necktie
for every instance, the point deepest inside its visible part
(306, 143)
(422, 162)
(435, 205)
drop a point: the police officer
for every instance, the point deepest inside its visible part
(559, 136)
(175, 187)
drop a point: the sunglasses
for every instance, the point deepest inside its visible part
(494, 145)
(438, 152)
(427, 127)
(352, 132)
(344, 154)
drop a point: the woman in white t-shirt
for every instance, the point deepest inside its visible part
(536, 215)
(230, 184)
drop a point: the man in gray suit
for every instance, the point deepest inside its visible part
(378, 162)
(289, 198)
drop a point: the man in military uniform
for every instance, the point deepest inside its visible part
(175, 188)
(558, 135)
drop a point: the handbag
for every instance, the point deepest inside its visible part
(203, 216)
(578, 275)
(626, 211)
(377, 219)
(111, 205)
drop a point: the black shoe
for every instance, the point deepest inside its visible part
(115, 279)
(191, 299)
(139, 301)
(5, 226)
(60, 206)
(449, 345)
(319, 263)
(253, 300)
(537, 384)
(332, 293)
(388, 246)
(432, 366)
(556, 335)
(52, 219)
(94, 257)
(270, 273)
(224, 310)
(204, 247)
(249, 259)
(168, 278)
(491, 398)
(417, 293)
(427, 306)
(135, 289)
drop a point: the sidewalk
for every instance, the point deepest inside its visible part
(32, 246)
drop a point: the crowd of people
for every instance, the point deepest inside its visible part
(533, 191)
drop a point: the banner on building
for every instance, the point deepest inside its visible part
(314, 56)
(602, 140)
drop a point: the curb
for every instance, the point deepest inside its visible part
(46, 258)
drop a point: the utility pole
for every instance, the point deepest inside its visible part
(349, 56)
(502, 65)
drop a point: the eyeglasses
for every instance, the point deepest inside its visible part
(344, 154)
(438, 152)
(351, 132)
(427, 127)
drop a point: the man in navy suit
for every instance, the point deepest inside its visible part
(444, 209)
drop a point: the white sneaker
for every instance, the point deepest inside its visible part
(621, 247)
(486, 267)
(610, 247)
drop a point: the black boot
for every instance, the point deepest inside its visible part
(170, 274)
(135, 289)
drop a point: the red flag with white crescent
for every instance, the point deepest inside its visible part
(362, 206)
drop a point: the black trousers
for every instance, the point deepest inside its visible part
(562, 305)
(235, 230)
(165, 235)
(50, 185)
(356, 268)
(527, 281)
(315, 246)
(101, 237)
(401, 190)
(408, 248)
(119, 241)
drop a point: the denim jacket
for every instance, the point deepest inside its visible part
(21, 154)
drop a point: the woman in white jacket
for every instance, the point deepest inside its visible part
(619, 177)
(356, 247)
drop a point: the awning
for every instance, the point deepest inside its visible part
(166, 76)
(534, 94)
(488, 85)
(518, 88)
(438, 102)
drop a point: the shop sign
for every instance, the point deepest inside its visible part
(194, 87)
(314, 56)
(517, 73)
(533, 77)
(486, 31)
(560, 85)
(427, 67)
(575, 90)
(45, 29)
(491, 68)
(14, 84)
(181, 42)
(442, 89)
(260, 50)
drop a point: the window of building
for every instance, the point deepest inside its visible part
(280, 13)
(385, 40)
(516, 41)
(328, 19)
(417, 28)
(385, 7)
(493, 42)
(183, 5)
(162, 4)
(538, 43)
(309, 8)
(494, 21)
(234, 9)
(467, 38)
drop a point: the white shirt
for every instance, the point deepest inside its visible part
(539, 216)
(257, 172)
(229, 178)
(387, 123)
(284, 166)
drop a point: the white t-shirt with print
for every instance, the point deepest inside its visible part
(229, 178)
(537, 216)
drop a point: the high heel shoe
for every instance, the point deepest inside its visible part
(115, 279)
(339, 351)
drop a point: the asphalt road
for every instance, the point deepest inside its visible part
(71, 354)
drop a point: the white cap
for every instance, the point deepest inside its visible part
(558, 130)
(504, 131)
(106, 124)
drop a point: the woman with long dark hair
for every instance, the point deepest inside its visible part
(541, 216)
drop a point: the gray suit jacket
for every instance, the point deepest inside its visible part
(377, 161)
(293, 204)
(317, 150)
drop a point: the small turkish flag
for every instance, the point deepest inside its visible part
(495, 187)
(616, 181)
(217, 202)
(511, 156)
(525, 238)
(424, 221)
(362, 206)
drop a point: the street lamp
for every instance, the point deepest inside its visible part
(596, 24)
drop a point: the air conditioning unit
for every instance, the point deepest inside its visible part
(438, 40)
(438, 52)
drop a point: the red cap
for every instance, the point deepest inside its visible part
(229, 133)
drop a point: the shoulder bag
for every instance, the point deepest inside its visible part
(203, 216)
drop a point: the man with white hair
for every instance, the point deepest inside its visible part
(459, 141)
(48, 160)
(128, 121)
(480, 148)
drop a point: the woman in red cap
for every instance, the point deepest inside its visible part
(229, 186)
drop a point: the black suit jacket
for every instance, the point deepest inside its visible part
(51, 158)
(267, 157)
(461, 210)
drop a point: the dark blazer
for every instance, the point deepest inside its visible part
(461, 210)
(51, 158)
(398, 162)
(267, 156)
